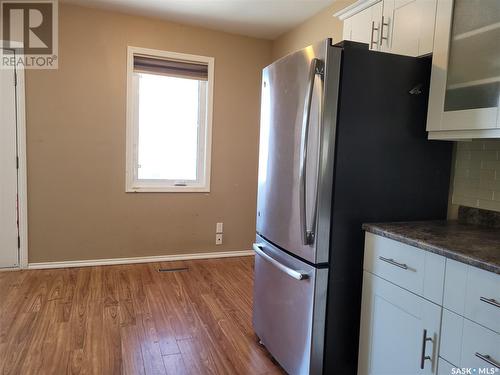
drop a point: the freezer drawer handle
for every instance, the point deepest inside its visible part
(394, 263)
(488, 359)
(316, 68)
(490, 301)
(298, 275)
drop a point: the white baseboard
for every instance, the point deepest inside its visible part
(10, 269)
(152, 259)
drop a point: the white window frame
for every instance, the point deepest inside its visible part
(133, 184)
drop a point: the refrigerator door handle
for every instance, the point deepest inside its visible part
(298, 275)
(316, 68)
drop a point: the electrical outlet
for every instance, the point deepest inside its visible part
(218, 239)
(219, 228)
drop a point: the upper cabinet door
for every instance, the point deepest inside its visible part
(364, 27)
(465, 82)
(407, 27)
(347, 31)
(401, 22)
(427, 25)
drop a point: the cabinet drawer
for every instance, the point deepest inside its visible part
(416, 270)
(461, 339)
(473, 293)
(289, 309)
(451, 336)
(480, 347)
(482, 300)
(444, 368)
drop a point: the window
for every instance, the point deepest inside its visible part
(169, 120)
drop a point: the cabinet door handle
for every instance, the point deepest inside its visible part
(424, 357)
(488, 359)
(490, 301)
(382, 37)
(393, 262)
(372, 42)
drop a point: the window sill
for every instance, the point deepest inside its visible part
(173, 189)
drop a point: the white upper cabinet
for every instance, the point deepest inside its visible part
(463, 37)
(408, 26)
(365, 26)
(405, 27)
(465, 82)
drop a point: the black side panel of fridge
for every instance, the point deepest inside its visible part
(385, 170)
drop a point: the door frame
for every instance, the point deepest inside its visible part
(22, 191)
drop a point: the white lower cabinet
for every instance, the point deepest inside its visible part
(468, 344)
(480, 347)
(399, 330)
(470, 333)
(419, 308)
(473, 293)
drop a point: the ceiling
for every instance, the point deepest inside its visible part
(257, 18)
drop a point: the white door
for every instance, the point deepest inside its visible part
(9, 252)
(399, 330)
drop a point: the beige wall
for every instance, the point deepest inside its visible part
(321, 26)
(78, 208)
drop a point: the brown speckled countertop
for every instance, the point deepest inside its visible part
(476, 245)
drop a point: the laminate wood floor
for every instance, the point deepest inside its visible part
(131, 319)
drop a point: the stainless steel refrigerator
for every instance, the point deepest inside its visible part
(342, 142)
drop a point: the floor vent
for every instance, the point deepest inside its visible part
(173, 269)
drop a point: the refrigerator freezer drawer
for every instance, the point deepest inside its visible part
(289, 309)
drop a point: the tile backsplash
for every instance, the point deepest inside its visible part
(477, 174)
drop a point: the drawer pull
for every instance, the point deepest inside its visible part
(424, 357)
(490, 301)
(394, 263)
(488, 359)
